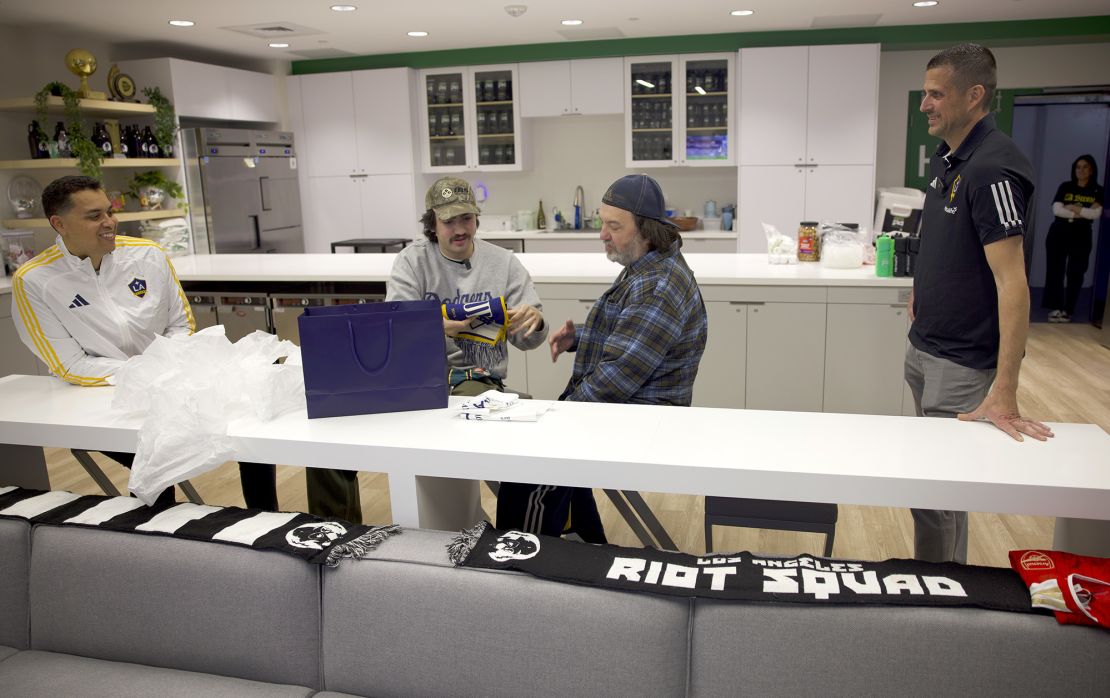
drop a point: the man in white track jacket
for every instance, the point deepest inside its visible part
(94, 299)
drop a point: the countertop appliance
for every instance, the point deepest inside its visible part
(243, 193)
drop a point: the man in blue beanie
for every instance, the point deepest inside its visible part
(641, 343)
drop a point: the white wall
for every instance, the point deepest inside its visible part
(1020, 66)
(566, 152)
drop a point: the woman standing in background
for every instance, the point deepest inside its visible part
(1077, 203)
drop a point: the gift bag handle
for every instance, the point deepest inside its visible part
(388, 349)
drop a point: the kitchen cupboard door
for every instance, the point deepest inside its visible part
(652, 111)
(546, 380)
(786, 357)
(198, 90)
(329, 124)
(388, 208)
(545, 88)
(769, 194)
(252, 95)
(843, 101)
(864, 356)
(721, 373)
(840, 193)
(15, 357)
(335, 212)
(773, 105)
(595, 86)
(517, 379)
(383, 121)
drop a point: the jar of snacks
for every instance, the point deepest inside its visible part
(18, 248)
(809, 245)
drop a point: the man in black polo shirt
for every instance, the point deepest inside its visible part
(970, 300)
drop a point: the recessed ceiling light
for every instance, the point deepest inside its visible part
(571, 22)
(343, 8)
(181, 23)
(926, 3)
(418, 34)
(742, 13)
(279, 45)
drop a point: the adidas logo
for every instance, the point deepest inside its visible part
(78, 301)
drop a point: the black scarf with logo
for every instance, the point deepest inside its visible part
(742, 576)
(311, 538)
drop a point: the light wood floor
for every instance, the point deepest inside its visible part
(1065, 378)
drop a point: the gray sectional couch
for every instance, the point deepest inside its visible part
(87, 612)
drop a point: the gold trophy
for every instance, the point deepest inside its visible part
(83, 64)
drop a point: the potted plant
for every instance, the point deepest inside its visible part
(80, 145)
(151, 188)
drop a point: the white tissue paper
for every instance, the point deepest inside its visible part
(189, 388)
(496, 406)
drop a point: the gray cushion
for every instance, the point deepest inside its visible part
(782, 649)
(172, 603)
(6, 652)
(15, 552)
(396, 627)
(46, 674)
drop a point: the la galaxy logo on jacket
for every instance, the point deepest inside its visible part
(138, 287)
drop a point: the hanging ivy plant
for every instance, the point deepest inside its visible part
(80, 146)
(165, 119)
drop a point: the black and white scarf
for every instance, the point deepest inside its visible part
(742, 576)
(311, 538)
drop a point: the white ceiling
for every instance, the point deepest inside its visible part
(380, 26)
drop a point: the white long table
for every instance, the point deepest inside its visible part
(796, 456)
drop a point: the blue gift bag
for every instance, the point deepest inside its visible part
(373, 357)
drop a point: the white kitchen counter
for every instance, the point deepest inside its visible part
(584, 268)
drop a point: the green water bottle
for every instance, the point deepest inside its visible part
(884, 256)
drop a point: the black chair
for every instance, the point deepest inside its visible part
(810, 517)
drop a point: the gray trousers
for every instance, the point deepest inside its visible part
(942, 388)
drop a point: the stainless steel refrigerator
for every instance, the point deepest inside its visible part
(243, 193)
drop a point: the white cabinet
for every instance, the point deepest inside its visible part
(679, 110)
(205, 91)
(808, 125)
(356, 145)
(547, 380)
(357, 123)
(470, 119)
(784, 195)
(721, 374)
(581, 86)
(786, 356)
(864, 355)
(15, 357)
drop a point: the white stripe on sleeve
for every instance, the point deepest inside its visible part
(998, 204)
(41, 504)
(5, 489)
(249, 530)
(108, 509)
(1013, 206)
(174, 518)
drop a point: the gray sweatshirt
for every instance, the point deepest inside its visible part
(421, 272)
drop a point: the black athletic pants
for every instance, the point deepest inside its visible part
(1068, 248)
(259, 481)
(545, 509)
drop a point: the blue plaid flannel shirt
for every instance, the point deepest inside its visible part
(644, 337)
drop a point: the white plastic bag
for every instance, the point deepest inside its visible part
(843, 247)
(781, 249)
(188, 389)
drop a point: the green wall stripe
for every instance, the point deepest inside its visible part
(907, 37)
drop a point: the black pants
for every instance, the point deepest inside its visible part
(545, 509)
(259, 481)
(1068, 248)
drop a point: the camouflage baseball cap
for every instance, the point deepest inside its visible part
(450, 197)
